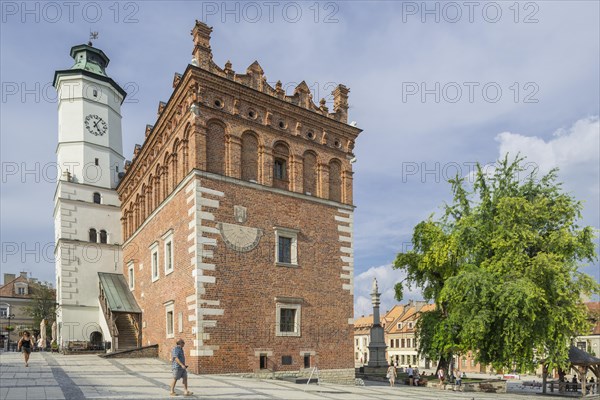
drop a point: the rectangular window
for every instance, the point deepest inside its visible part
(410, 325)
(279, 169)
(399, 325)
(168, 247)
(397, 342)
(263, 361)
(392, 343)
(154, 261)
(285, 250)
(286, 246)
(464, 362)
(582, 346)
(286, 360)
(170, 320)
(402, 343)
(97, 162)
(180, 322)
(288, 319)
(307, 360)
(131, 276)
(3, 312)
(21, 290)
(169, 257)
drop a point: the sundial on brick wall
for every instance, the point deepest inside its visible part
(238, 237)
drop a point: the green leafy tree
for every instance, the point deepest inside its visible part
(42, 306)
(502, 266)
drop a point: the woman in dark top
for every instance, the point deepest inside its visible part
(26, 345)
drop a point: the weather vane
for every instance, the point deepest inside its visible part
(93, 36)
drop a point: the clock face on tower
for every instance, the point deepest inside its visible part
(95, 125)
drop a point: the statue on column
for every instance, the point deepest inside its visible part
(377, 347)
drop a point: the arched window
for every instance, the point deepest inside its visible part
(93, 236)
(215, 148)
(249, 157)
(280, 166)
(309, 172)
(97, 198)
(103, 236)
(335, 180)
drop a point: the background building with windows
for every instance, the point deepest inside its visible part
(400, 334)
(362, 338)
(16, 294)
(590, 341)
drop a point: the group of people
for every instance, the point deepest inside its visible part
(591, 384)
(413, 375)
(179, 369)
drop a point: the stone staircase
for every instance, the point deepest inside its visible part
(127, 335)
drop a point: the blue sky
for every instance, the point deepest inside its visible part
(435, 86)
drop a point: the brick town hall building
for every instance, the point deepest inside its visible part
(231, 227)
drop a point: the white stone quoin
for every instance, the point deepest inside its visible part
(89, 157)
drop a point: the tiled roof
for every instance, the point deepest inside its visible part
(411, 314)
(8, 289)
(362, 325)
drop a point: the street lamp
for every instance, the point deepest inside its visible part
(9, 329)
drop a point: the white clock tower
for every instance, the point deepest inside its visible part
(86, 206)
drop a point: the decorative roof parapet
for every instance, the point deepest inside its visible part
(255, 79)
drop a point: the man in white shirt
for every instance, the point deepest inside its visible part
(410, 373)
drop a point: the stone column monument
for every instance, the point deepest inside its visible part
(377, 346)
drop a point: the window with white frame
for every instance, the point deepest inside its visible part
(288, 319)
(286, 246)
(3, 312)
(131, 273)
(154, 261)
(21, 288)
(399, 325)
(168, 248)
(410, 325)
(170, 319)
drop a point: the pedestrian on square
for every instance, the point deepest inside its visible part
(26, 345)
(391, 375)
(410, 373)
(179, 368)
(442, 377)
(417, 377)
(457, 378)
(40, 344)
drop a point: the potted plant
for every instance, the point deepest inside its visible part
(54, 346)
(10, 328)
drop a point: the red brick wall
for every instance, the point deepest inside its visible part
(247, 283)
(175, 286)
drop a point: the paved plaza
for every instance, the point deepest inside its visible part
(53, 376)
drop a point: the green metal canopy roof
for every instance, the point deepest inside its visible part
(117, 293)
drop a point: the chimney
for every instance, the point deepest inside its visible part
(340, 102)
(23, 274)
(202, 52)
(8, 278)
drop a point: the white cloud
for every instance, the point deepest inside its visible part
(568, 148)
(575, 151)
(387, 277)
